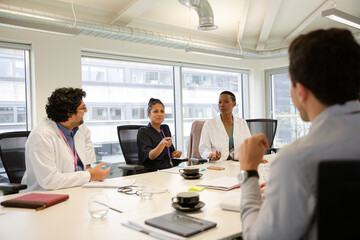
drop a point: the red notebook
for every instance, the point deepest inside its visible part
(36, 201)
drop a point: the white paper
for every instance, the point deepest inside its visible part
(171, 170)
(222, 183)
(110, 183)
(231, 201)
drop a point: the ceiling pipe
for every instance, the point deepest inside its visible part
(130, 34)
(204, 10)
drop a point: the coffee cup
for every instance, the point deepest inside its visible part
(189, 171)
(186, 199)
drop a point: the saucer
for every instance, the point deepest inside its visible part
(192, 177)
(188, 209)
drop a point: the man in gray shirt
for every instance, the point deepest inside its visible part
(325, 83)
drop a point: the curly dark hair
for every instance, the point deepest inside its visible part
(64, 102)
(327, 62)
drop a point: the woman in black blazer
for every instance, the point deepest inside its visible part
(154, 141)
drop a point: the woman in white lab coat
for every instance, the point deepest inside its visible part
(222, 136)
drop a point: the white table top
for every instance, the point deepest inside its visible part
(71, 220)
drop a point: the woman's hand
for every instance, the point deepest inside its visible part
(167, 141)
(215, 156)
(176, 154)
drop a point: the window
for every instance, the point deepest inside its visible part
(115, 75)
(152, 77)
(13, 89)
(201, 89)
(193, 95)
(97, 74)
(138, 113)
(99, 113)
(166, 78)
(290, 126)
(14, 78)
(111, 104)
(137, 76)
(7, 115)
(116, 113)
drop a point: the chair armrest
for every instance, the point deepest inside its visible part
(177, 161)
(131, 167)
(12, 187)
(273, 150)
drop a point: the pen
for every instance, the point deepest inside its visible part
(114, 209)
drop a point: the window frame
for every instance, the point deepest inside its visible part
(27, 48)
(243, 103)
(269, 94)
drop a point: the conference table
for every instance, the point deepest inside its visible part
(71, 220)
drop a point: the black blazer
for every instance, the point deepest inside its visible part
(147, 139)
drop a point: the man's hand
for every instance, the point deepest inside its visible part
(176, 154)
(97, 174)
(252, 151)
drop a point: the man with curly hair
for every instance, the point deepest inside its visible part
(59, 151)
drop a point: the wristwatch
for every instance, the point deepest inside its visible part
(244, 175)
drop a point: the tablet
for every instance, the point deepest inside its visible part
(180, 224)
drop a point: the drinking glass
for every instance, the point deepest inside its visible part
(98, 205)
(145, 189)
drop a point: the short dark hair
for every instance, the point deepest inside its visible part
(64, 102)
(152, 102)
(233, 98)
(327, 62)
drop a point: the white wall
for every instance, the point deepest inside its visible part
(56, 62)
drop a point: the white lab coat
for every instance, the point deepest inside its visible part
(214, 137)
(49, 162)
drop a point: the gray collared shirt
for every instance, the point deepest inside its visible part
(290, 196)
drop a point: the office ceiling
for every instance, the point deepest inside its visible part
(259, 25)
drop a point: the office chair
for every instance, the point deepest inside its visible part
(12, 154)
(193, 154)
(128, 142)
(267, 127)
(338, 194)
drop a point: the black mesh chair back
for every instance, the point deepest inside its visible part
(12, 153)
(265, 126)
(338, 194)
(128, 142)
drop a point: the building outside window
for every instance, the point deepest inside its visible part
(137, 76)
(121, 98)
(201, 90)
(290, 125)
(14, 78)
(124, 101)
